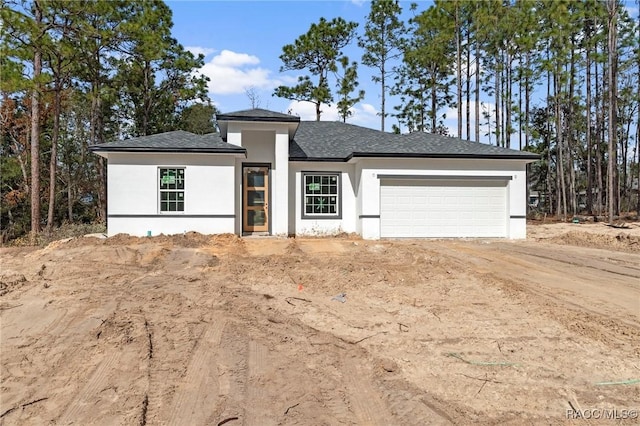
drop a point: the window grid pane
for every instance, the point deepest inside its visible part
(171, 190)
(321, 194)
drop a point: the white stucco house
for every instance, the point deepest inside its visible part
(270, 173)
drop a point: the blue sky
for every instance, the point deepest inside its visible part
(242, 42)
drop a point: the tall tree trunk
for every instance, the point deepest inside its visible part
(527, 99)
(35, 129)
(638, 131)
(382, 96)
(570, 132)
(599, 138)
(468, 84)
(96, 138)
(498, 103)
(146, 107)
(318, 103)
(599, 143)
(458, 67)
(612, 7)
(53, 162)
(477, 88)
(69, 199)
(520, 72)
(548, 137)
(638, 161)
(434, 107)
(560, 177)
(624, 142)
(588, 129)
(507, 100)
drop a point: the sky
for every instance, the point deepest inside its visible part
(242, 41)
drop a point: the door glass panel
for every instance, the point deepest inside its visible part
(255, 179)
(255, 218)
(255, 198)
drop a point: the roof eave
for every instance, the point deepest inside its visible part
(230, 117)
(523, 157)
(98, 149)
(320, 159)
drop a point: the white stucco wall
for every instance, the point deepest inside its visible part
(280, 193)
(213, 188)
(133, 194)
(369, 186)
(300, 226)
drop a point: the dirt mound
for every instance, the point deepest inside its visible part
(625, 237)
(10, 281)
(620, 242)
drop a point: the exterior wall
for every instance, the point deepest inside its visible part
(213, 188)
(266, 143)
(133, 194)
(369, 186)
(147, 226)
(348, 221)
(280, 185)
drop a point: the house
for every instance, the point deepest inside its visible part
(272, 174)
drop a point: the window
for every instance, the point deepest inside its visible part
(321, 195)
(171, 190)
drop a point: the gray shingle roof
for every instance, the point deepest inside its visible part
(176, 141)
(335, 141)
(257, 114)
(323, 141)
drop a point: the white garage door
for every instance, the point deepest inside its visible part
(443, 208)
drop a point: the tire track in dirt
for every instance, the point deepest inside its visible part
(196, 397)
(367, 406)
(608, 297)
(233, 372)
(629, 270)
(81, 404)
(578, 308)
(257, 402)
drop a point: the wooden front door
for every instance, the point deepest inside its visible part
(255, 196)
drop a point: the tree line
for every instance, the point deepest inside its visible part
(76, 74)
(560, 78)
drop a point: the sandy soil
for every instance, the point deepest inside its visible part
(199, 330)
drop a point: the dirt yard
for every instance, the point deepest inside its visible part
(198, 330)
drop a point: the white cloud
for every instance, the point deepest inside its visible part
(233, 73)
(307, 111)
(369, 109)
(362, 114)
(227, 58)
(358, 2)
(196, 50)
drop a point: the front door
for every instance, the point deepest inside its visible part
(255, 209)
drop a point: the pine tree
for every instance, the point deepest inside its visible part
(382, 42)
(317, 51)
(347, 83)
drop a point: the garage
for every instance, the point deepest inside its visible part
(443, 207)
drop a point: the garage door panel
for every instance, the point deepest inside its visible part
(443, 208)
